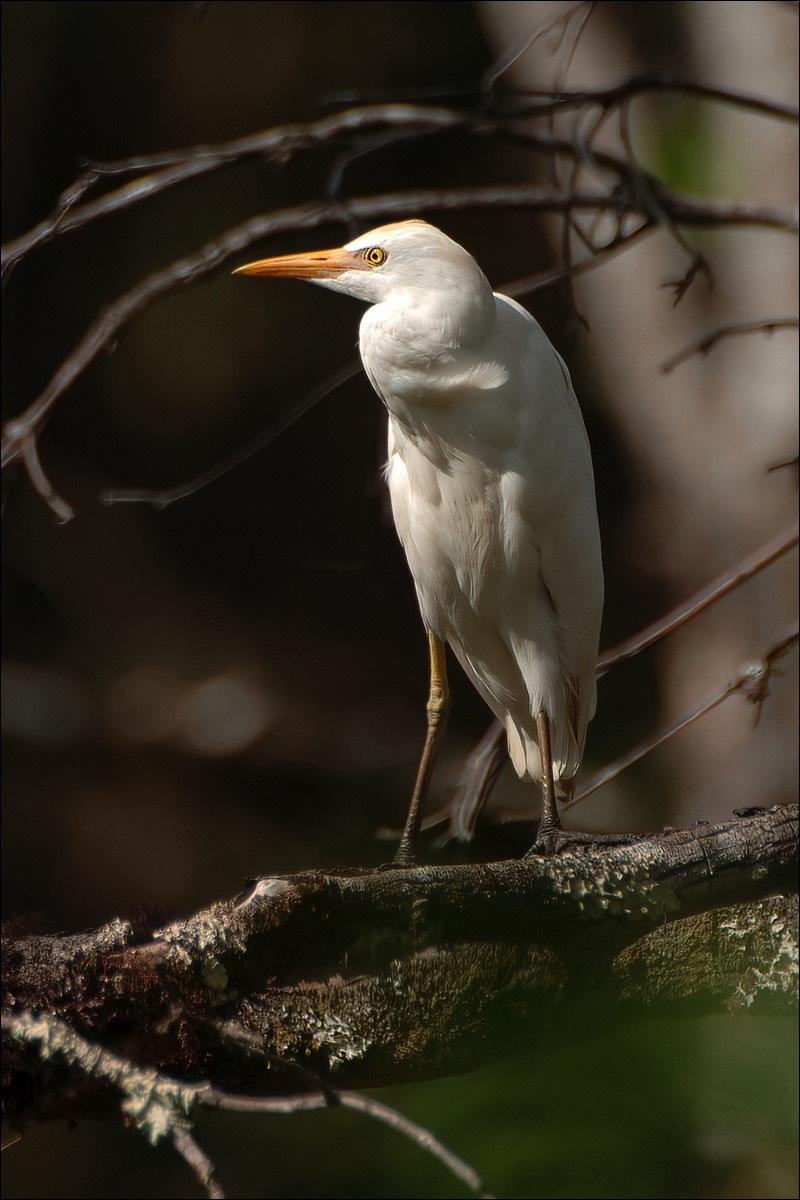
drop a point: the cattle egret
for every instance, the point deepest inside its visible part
(491, 484)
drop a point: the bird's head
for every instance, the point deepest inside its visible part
(410, 262)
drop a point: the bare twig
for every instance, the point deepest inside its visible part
(784, 462)
(157, 172)
(311, 1101)
(611, 96)
(705, 344)
(156, 1103)
(549, 98)
(195, 267)
(160, 1105)
(702, 212)
(559, 21)
(54, 224)
(719, 587)
(586, 157)
(163, 498)
(569, 223)
(544, 279)
(419, 1135)
(29, 455)
(648, 196)
(683, 209)
(753, 680)
(198, 1160)
(582, 22)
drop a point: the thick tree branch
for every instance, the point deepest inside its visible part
(366, 977)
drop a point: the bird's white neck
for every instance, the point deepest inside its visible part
(415, 345)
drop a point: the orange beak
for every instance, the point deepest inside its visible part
(320, 264)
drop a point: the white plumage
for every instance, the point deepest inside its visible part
(490, 478)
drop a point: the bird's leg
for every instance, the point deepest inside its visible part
(550, 822)
(549, 837)
(438, 708)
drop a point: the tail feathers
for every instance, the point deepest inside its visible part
(523, 750)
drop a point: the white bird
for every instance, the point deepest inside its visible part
(492, 491)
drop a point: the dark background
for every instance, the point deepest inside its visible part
(235, 686)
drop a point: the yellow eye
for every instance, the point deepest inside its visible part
(375, 256)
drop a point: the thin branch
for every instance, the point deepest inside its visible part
(157, 172)
(651, 204)
(583, 21)
(657, 202)
(197, 266)
(706, 343)
(29, 455)
(545, 279)
(548, 98)
(419, 1135)
(700, 211)
(366, 147)
(531, 36)
(753, 681)
(160, 1105)
(569, 223)
(54, 224)
(719, 587)
(193, 268)
(784, 462)
(156, 1103)
(616, 94)
(586, 158)
(198, 1161)
(163, 498)
(313, 1101)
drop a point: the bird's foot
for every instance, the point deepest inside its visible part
(555, 840)
(405, 857)
(400, 862)
(548, 843)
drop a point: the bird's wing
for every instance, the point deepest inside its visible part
(493, 499)
(551, 517)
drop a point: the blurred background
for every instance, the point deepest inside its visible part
(235, 686)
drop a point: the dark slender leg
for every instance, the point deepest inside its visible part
(438, 707)
(549, 839)
(550, 822)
